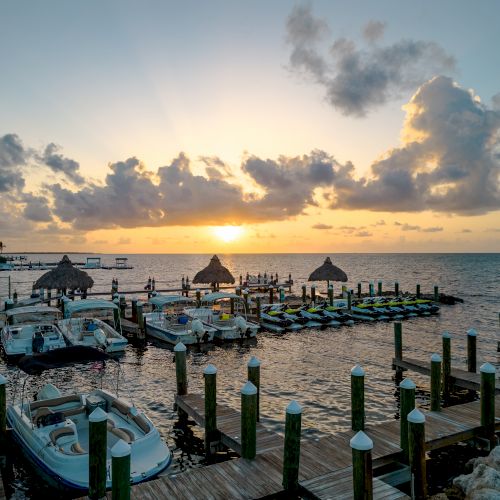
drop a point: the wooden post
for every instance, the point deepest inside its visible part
(257, 301)
(248, 421)
(313, 293)
(134, 309)
(231, 305)
(140, 316)
(271, 295)
(123, 306)
(3, 406)
(359, 290)
(436, 293)
(238, 290)
(357, 398)
(330, 295)
(406, 405)
(253, 372)
(416, 439)
(281, 292)
(304, 294)
(49, 296)
(120, 471)
(291, 453)
(447, 383)
(362, 470)
(396, 288)
(245, 298)
(471, 350)
(116, 313)
(435, 382)
(98, 435)
(349, 300)
(488, 374)
(371, 289)
(9, 304)
(398, 340)
(379, 291)
(198, 297)
(180, 369)
(210, 376)
(418, 290)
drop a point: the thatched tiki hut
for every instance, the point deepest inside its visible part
(65, 277)
(328, 272)
(214, 274)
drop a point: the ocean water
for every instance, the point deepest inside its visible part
(310, 366)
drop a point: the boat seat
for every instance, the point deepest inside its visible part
(74, 411)
(41, 412)
(61, 432)
(77, 449)
(72, 398)
(125, 410)
(121, 406)
(125, 434)
(142, 423)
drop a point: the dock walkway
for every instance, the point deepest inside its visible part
(325, 464)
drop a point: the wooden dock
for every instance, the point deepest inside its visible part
(459, 378)
(325, 464)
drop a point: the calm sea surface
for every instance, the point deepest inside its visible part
(311, 366)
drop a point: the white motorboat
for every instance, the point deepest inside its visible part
(168, 325)
(31, 329)
(53, 430)
(82, 327)
(228, 326)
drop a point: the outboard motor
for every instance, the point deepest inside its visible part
(197, 328)
(241, 325)
(37, 342)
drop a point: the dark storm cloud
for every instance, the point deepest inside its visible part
(60, 164)
(36, 208)
(449, 161)
(12, 156)
(356, 79)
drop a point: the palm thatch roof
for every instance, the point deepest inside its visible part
(65, 277)
(328, 272)
(215, 272)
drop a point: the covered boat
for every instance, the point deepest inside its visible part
(81, 325)
(31, 329)
(53, 429)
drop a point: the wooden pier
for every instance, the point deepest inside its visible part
(325, 464)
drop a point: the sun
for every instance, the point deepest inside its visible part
(227, 233)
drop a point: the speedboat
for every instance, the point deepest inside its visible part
(174, 327)
(81, 327)
(31, 329)
(228, 326)
(53, 428)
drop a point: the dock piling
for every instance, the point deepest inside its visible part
(291, 453)
(436, 293)
(447, 382)
(198, 297)
(416, 439)
(134, 309)
(435, 382)
(180, 368)
(313, 294)
(406, 405)
(3, 406)
(248, 421)
(98, 435)
(304, 294)
(357, 398)
(396, 288)
(418, 290)
(210, 376)
(362, 470)
(349, 300)
(371, 289)
(471, 351)
(271, 295)
(379, 290)
(398, 348)
(253, 373)
(257, 305)
(330, 295)
(231, 305)
(140, 320)
(488, 374)
(120, 471)
(359, 290)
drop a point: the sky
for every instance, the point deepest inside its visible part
(244, 127)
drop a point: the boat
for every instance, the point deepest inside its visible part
(31, 329)
(228, 326)
(80, 327)
(92, 263)
(175, 326)
(53, 428)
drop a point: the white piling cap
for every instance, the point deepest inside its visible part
(357, 371)
(407, 383)
(180, 347)
(199, 289)
(98, 415)
(135, 299)
(3, 380)
(294, 408)
(487, 368)
(116, 301)
(139, 303)
(472, 333)
(379, 281)
(9, 301)
(446, 335)
(249, 389)
(120, 449)
(436, 357)
(361, 442)
(254, 362)
(245, 291)
(330, 286)
(210, 370)
(313, 286)
(416, 417)
(371, 282)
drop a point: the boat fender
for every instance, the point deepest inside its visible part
(100, 336)
(197, 328)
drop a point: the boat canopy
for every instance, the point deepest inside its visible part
(58, 358)
(31, 310)
(71, 307)
(160, 301)
(212, 297)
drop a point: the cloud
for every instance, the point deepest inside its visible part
(434, 229)
(408, 227)
(380, 222)
(373, 31)
(466, 231)
(60, 164)
(36, 208)
(363, 234)
(322, 226)
(448, 161)
(356, 79)
(12, 155)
